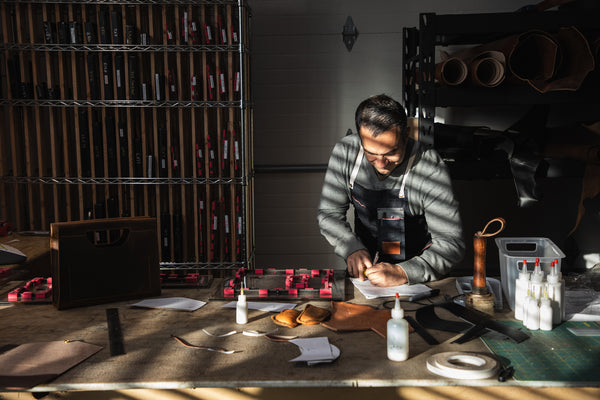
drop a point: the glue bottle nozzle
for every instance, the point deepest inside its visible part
(397, 312)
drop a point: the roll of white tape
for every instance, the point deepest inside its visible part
(462, 365)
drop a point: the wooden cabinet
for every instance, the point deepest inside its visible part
(131, 108)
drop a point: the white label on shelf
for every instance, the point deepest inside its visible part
(157, 85)
(227, 224)
(237, 81)
(236, 150)
(118, 78)
(239, 225)
(202, 204)
(215, 223)
(185, 26)
(211, 81)
(225, 149)
(223, 36)
(222, 76)
(121, 132)
(212, 154)
(208, 33)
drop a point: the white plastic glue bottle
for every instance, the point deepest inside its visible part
(545, 313)
(521, 286)
(241, 314)
(555, 289)
(533, 314)
(537, 280)
(397, 334)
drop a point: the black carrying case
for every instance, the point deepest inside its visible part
(104, 260)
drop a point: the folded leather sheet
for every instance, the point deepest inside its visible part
(357, 317)
(30, 364)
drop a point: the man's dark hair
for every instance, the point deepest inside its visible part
(381, 113)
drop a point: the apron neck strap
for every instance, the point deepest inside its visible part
(357, 163)
(411, 160)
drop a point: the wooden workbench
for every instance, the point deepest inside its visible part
(154, 360)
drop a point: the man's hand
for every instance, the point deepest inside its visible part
(357, 262)
(386, 274)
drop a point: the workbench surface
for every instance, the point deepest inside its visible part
(153, 359)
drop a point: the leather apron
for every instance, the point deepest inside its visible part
(383, 221)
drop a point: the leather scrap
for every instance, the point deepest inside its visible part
(427, 317)
(286, 318)
(347, 317)
(312, 315)
(479, 318)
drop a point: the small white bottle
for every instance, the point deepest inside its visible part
(528, 298)
(555, 288)
(537, 280)
(397, 334)
(241, 314)
(521, 286)
(533, 314)
(545, 313)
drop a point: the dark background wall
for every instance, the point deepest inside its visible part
(306, 86)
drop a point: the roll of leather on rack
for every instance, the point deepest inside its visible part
(463, 365)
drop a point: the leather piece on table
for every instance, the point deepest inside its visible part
(286, 318)
(357, 317)
(312, 315)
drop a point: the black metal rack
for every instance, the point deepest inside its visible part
(421, 93)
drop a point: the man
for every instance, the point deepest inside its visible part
(404, 206)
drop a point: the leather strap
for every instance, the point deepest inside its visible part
(479, 318)
(421, 331)
(478, 323)
(427, 317)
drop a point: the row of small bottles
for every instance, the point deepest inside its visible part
(539, 302)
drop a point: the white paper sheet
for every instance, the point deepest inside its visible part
(314, 349)
(173, 303)
(582, 305)
(263, 306)
(372, 292)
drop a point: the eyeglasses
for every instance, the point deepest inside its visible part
(392, 156)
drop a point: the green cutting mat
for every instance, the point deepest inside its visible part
(555, 355)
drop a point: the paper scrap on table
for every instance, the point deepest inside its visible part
(372, 292)
(315, 350)
(172, 303)
(264, 306)
(582, 305)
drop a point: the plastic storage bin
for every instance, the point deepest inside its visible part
(512, 252)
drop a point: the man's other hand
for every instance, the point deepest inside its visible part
(357, 263)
